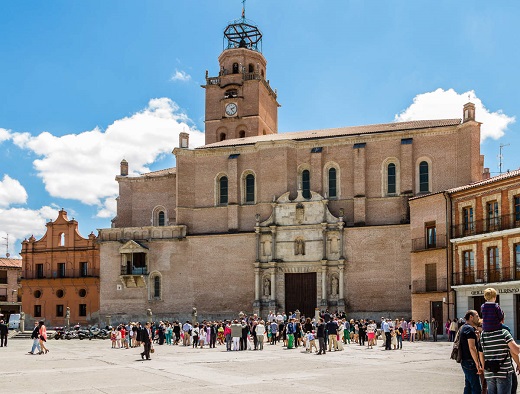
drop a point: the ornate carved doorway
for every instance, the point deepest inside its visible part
(300, 293)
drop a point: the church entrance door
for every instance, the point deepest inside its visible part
(301, 293)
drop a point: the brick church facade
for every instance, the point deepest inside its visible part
(257, 220)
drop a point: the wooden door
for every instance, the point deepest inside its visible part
(300, 293)
(436, 310)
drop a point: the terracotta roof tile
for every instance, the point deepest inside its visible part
(338, 132)
(10, 263)
(510, 174)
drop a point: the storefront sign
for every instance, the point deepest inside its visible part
(513, 290)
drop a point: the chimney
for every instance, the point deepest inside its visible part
(468, 112)
(124, 168)
(184, 140)
(486, 174)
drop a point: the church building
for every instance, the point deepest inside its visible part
(256, 220)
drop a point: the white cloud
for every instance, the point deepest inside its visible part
(21, 223)
(109, 208)
(4, 134)
(83, 166)
(11, 192)
(447, 104)
(180, 76)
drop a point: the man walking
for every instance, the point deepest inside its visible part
(3, 333)
(147, 338)
(434, 326)
(35, 336)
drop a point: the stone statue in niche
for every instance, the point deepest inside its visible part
(300, 213)
(334, 286)
(299, 247)
(267, 287)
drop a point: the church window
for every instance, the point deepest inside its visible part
(157, 287)
(250, 188)
(62, 239)
(222, 136)
(391, 179)
(223, 191)
(241, 134)
(332, 183)
(306, 184)
(424, 177)
(235, 68)
(161, 218)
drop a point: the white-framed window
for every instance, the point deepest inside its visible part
(390, 180)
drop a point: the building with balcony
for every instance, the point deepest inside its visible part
(10, 272)
(60, 275)
(464, 240)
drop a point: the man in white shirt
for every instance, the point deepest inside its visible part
(186, 328)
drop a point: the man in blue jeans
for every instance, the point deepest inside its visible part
(470, 359)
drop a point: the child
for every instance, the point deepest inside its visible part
(393, 339)
(312, 341)
(492, 314)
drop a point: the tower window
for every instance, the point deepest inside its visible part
(222, 136)
(250, 188)
(161, 218)
(241, 134)
(251, 68)
(235, 68)
(157, 287)
(391, 187)
(424, 177)
(332, 183)
(223, 190)
(306, 184)
(231, 93)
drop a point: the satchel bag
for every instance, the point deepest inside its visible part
(456, 351)
(152, 350)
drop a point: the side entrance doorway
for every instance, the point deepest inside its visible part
(301, 293)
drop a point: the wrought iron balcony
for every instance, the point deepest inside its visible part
(429, 286)
(504, 274)
(59, 274)
(422, 243)
(484, 226)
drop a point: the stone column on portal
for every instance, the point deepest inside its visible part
(273, 243)
(273, 283)
(324, 240)
(258, 245)
(341, 268)
(257, 282)
(324, 282)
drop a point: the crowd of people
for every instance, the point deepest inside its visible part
(329, 332)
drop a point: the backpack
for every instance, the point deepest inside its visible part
(456, 351)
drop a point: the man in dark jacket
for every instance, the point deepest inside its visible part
(147, 338)
(320, 334)
(3, 333)
(35, 336)
(332, 330)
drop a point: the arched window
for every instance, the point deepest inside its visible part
(222, 136)
(62, 239)
(391, 179)
(333, 193)
(250, 188)
(223, 190)
(306, 184)
(251, 68)
(235, 68)
(424, 177)
(161, 218)
(241, 134)
(157, 287)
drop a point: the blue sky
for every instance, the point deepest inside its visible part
(84, 84)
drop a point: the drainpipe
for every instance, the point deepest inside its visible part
(448, 255)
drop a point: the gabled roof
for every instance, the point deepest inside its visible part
(338, 132)
(10, 263)
(510, 174)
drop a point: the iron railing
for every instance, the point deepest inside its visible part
(504, 274)
(484, 226)
(129, 270)
(58, 274)
(427, 286)
(424, 244)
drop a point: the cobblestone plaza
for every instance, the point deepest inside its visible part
(92, 366)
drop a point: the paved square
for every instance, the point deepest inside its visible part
(92, 366)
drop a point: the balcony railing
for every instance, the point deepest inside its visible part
(486, 276)
(427, 286)
(423, 244)
(57, 274)
(484, 226)
(128, 270)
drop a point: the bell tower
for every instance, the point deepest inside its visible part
(239, 101)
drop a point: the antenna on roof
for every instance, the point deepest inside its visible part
(500, 157)
(6, 245)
